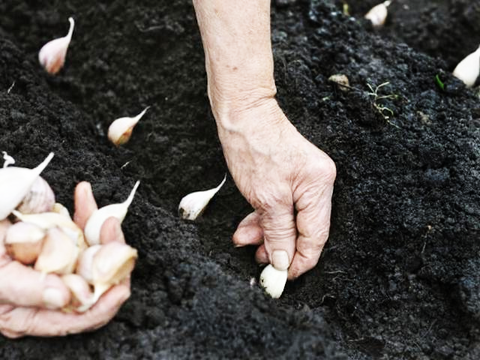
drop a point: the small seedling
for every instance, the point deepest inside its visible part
(383, 110)
(439, 82)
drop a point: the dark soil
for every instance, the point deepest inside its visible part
(400, 277)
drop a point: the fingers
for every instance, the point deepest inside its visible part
(249, 231)
(85, 203)
(261, 255)
(4, 225)
(23, 286)
(111, 231)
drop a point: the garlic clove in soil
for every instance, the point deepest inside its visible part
(8, 159)
(121, 129)
(59, 254)
(378, 14)
(23, 242)
(15, 183)
(52, 54)
(192, 205)
(82, 294)
(96, 220)
(40, 198)
(273, 281)
(468, 69)
(85, 263)
(62, 210)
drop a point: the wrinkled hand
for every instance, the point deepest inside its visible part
(287, 180)
(30, 306)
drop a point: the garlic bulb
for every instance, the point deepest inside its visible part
(62, 210)
(468, 69)
(121, 129)
(15, 182)
(59, 254)
(23, 242)
(193, 205)
(82, 294)
(273, 281)
(378, 14)
(96, 220)
(40, 198)
(85, 263)
(52, 54)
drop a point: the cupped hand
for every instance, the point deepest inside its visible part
(31, 305)
(287, 180)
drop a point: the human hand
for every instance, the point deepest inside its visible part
(287, 180)
(30, 306)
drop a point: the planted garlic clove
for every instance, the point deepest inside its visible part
(59, 254)
(96, 220)
(85, 263)
(121, 129)
(82, 295)
(40, 198)
(52, 54)
(193, 205)
(468, 69)
(15, 183)
(378, 14)
(23, 242)
(273, 281)
(62, 210)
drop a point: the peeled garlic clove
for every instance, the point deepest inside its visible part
(82, 295)
(468, 69)
(15, 182)
(23, 242)
(96, 220)
(40, 198)
(85, 263)
(193, 205)
(121, 129)
(378, 14)
(273, 281)
(62, 210)
(59, 254)
(52, 54)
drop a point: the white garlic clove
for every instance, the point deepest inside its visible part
(85, 263)
(23, 242)
(40, 198)
(52, 54)
(15, 182)
(121, 129)
(82, 294)
(378, 14)
(193, 205)
(96, 220)
(273, 281)
(468, 69)
(59, 254)
(62, 210)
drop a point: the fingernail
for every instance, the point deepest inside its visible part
(53, 298)
(239, 245)
(280, 260)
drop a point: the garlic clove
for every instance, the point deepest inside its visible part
(378, 14)
(52, 54)
(62, 210)
(85, 263)
(341, 80)
(23, 242)
(121, 129)
(15, 182)
(81, 291)
(40, 198)
(96, 220)
(59, 254)
(273, 281)
(193, 205)
(468, 69)
(8, 159)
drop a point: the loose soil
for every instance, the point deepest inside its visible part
(399, 278)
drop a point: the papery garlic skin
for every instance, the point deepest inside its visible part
(82, 294)
(192, 205)
(59, 254)
(62, 210)
(273, 281)
(85, 263)
(121, 129)
(40, 198)
(468, 69)
(378, 14)
(15, 183)
(52, 54)
(96, 220)
(23, 242)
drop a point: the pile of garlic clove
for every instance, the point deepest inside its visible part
(42, 234)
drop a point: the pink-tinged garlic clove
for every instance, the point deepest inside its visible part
(85, 263)
(121, 129)
(82, 294)
(40, 198)
(23, 242)
(52, 54)
(59, 254)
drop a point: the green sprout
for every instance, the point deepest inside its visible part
(439, 82)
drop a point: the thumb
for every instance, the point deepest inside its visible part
(23, 286)
(280, 234)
